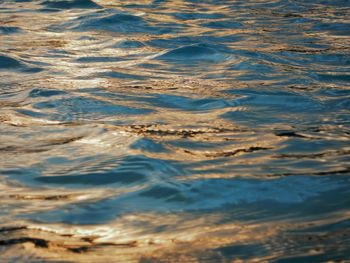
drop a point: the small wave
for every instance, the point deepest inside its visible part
(223, 24)
(192, 16)
(81, 108)
(5, 30)
(338, 28)
(98, 59)
(194, 53)
(117, 22)
(287, 193)
(132, 169)
(185, 103)
(121, 75)
(11, 64)
(129, 44)
(95, 179)
(40, 92)
(70, 4)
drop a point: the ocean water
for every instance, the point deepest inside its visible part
(174, 131)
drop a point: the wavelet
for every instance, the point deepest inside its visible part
(5, 30)
(114, 22)
(79, 108)
(194, 53)
(8, 63)
(70, 4)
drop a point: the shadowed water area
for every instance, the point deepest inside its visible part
(174, 131)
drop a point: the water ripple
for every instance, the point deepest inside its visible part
(166, 131)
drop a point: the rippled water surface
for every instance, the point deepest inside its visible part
(174, 130)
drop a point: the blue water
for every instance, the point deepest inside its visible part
(174, 131)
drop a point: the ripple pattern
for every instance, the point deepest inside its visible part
(174, 131)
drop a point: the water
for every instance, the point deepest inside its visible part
(174, 131)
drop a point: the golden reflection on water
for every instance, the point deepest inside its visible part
(131, 239)
(54, 141)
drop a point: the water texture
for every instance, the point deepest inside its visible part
(174, 131)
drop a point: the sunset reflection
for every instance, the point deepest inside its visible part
(174, 131)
